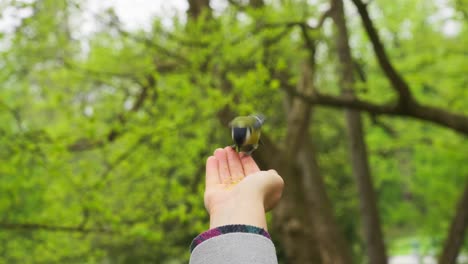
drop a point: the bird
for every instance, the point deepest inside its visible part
(245, 132)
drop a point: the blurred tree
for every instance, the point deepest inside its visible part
(103, 137)
(357, 145)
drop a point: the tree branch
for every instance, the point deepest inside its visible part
(256, 4)
(302, 24)
(236, 4)
(397, 81)
(456, 233)
(385, 127)
(455, 121)
(324, 17)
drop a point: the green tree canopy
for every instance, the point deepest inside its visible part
(103, 137)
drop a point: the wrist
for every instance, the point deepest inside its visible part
(239, 211)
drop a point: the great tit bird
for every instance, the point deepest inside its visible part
(245, 131)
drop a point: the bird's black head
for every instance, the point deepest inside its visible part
(239, 134)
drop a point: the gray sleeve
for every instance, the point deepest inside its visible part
(235, 248)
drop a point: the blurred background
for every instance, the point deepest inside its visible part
(109, 109)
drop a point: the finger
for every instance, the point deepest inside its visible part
(223, 166)
(212, 172)
(249, 164)
(275, 190)
(235, 165)
(273, 171)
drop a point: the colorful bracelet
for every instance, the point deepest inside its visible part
(225, 230)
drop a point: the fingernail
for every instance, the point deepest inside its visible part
(228, 148)
(218, 150)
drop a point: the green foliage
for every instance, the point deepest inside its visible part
(110, 134)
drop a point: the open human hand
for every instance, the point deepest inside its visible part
(237, 191)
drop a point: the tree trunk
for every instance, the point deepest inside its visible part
(332, 244)
(256, 3)
(357, 147)
(196, 8)
(293, 217)
(456, 234)
(304, 218)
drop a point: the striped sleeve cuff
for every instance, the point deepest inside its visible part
(225, 230)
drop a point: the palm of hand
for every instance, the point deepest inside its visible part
(232, 178)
